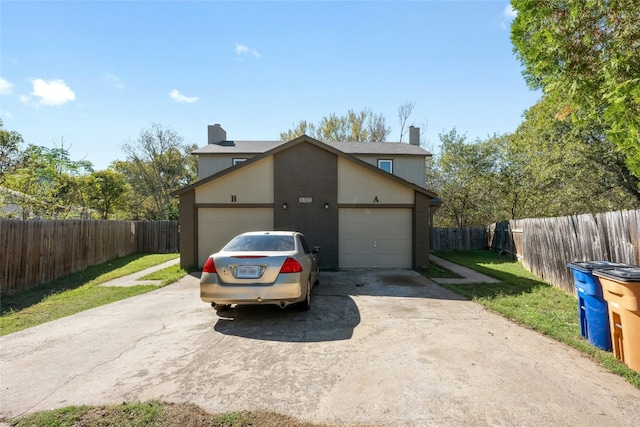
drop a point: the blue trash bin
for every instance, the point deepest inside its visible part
(592, 307)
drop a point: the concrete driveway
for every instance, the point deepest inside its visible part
(388, 348)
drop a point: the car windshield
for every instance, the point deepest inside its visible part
(260, 243)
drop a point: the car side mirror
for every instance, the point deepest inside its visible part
(317, 249)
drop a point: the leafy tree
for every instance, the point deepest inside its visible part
(9, 149)
(59, 161)
(464, 176)
(586, 53)
(354, 126)
(509, 183)
(334, 128)
(71, 196)
(140, 206)
(566, 167)
(107, 192)
(158, 163)
(303, 127)
(548, 167)
(34, 180)
(21, 184)
(377, 128)
(48, 183)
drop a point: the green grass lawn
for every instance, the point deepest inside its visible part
(526, 299)
(81, 291)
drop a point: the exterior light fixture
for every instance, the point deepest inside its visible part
(326, 205)
(284, 206)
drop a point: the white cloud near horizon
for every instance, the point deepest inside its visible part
(49, 93)
(246, 50)
(178, 97)
(5, 87)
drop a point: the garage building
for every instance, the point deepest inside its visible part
(362, 203)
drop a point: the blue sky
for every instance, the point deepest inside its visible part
(93, 74)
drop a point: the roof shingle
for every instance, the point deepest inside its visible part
(258, 147)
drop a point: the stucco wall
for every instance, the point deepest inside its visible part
(251, 184)
(358, 185)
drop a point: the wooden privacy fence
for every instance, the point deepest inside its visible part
(506, 238)
(157, 237)
(36, 252)
(458, 238)
(546, 245)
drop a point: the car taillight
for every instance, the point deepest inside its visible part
(209, 266)
(291, 266)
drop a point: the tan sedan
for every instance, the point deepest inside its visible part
(261, 267)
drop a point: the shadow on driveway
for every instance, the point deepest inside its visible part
(334, 313)
(331, 318)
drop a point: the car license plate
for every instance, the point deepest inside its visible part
(248, 272)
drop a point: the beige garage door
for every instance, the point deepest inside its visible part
(375, 238)
(216, 226)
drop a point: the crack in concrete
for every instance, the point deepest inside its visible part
(103, 363)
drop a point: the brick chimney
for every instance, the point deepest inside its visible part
(414, 135)
(216, 134)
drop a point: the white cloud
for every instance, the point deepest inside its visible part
(509, 12)
(242, 50)
(52, 93)
(114, 79)
(178, 97)
(5, 87)
(7, 114)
